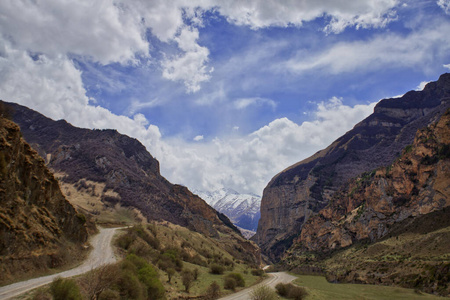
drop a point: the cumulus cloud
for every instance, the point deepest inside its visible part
(100, 30)
(344, 13)
(380, 52)
(247, 163)
(445, 5)
(422, 85)
(243, 103)
(198, 138)
(190, 66)
(447, 66)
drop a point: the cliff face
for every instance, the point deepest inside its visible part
(366, 208)
(39, 228)
(305, 188)
(390, 226)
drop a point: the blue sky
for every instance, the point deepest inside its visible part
(222, 93)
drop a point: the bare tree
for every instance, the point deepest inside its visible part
(100, 279)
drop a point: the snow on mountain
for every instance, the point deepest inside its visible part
(242, 209)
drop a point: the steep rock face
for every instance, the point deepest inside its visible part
(306, 187)
(39, 228)
(366, 208)
(121, 162)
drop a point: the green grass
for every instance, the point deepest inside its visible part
(319, 288)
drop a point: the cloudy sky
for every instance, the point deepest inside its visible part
(224, 93)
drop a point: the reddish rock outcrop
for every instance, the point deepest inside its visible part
(417, 183)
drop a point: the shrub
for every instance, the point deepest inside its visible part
(229, 283)
(263, 292)
(281, 289)
(291, 291)
(149, 277)
(213, 291)
(109, 295)
(257, 272)
(129, 286)
(216, 269)
(188, 278)
(65, 289)
(238, 278)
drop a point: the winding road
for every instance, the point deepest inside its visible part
(272, 281)
(101, 254)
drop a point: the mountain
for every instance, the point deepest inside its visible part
(103, 171)
(242, 209)
(307, 187)
(391, 225)
(39, 228)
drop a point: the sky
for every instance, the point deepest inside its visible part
(224, 93)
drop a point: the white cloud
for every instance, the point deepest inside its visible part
(190, 66)
(343, 13)
(247, 163)
(198, 138)
(447, 66)
(445, 5)
(391, 50)
(100, 30)
(245, 102)
(422, 85)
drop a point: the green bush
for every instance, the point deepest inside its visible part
(216, 269)
(65, 289)
(263, 292)
(281, 289)
(130, 287)
(291, 291)
(257, 272)
(109, 295)
(229, 283)
(238, 278)
(149, 277)
(213, 291)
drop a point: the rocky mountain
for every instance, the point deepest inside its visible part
(307, 187)
(391, 225)
(242, 209)
(118, 171)
(39, 228)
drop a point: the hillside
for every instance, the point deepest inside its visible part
(389, 226)
(113, 179)
(305, 188)
(242, 209)
(39, 228)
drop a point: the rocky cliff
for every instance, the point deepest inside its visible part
(39, 228)
(390, 226)
(368, 206)
(305, 188)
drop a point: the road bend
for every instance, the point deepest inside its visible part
(101, 254)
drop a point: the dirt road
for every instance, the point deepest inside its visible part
(101, 254)
(272, 281)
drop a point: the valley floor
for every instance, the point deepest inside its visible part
(319, 288)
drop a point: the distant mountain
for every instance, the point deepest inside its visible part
(39, 228)
(119, 172)
(242, 209)
(304, 189)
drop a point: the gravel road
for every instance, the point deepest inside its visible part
(272, 281)
(101, 254)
